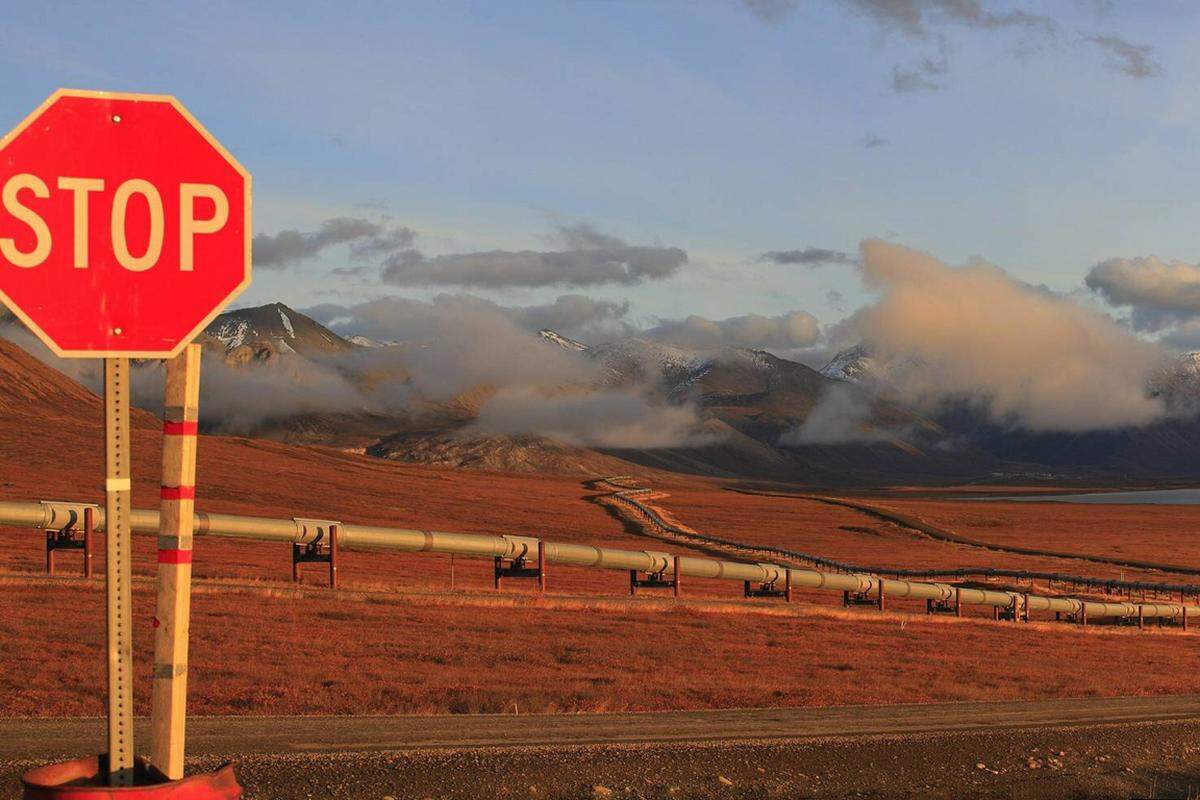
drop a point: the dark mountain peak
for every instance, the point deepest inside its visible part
(273, 329)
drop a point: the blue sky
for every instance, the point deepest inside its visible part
(699, 125)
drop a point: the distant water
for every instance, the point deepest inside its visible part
(1162, 497)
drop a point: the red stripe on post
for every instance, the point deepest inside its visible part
(174, 556)
(181, 428)
(178, 493)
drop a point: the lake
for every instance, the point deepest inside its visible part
(1167, 497)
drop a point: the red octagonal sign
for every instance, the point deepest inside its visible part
(124, 225)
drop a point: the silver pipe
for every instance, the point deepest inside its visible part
(367, 537)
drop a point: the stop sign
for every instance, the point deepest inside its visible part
(124, 225)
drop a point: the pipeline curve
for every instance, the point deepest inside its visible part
(628, 496)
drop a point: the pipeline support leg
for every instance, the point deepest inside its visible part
(89, 522)
(333, 556)
(541, 576)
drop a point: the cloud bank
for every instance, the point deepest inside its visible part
(1033, 358)
(1159, 293)
(366, 239)
(587, 258)
(808, 257)
(785, 332)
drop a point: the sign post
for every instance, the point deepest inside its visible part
(118, 571)
(124, 230)
(175, 528)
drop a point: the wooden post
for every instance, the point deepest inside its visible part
(118, 571)
(1184, 609)
(882, 595)
(175, 529)
(1082, 612)
(49, 552)
(787, 585)
(957, 601)
(675, 585)
(1141, 617)
(541, 567)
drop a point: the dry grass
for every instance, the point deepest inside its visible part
(849, 535)
(258, 652)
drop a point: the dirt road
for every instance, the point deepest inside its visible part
(1063, 748)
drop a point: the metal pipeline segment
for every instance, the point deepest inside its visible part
(367, 537)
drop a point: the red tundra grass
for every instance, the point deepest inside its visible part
(1158, 534)
(264, 652)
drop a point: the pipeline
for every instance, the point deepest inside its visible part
(627, 496)
(57, 515)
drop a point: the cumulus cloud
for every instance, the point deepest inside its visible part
(808, 257)
(1159, 293)
(366, 238)
(1031, 357)
(613, 418)
(575, 314)
(1135, 60)
(784, 332)
(588, 258)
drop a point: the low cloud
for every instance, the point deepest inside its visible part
(587, 258)
(611, 419)
(1032, 358)
(1158, 293)
(366, 238)
(841, 416)
(808, 257)
(785, 332)
(1135, 60)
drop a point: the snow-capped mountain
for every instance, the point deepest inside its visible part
(264, 332)
(565, 342)
(853, 364)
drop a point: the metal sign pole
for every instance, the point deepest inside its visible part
(118, 571)
(175, 529)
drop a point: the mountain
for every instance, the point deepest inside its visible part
(33, 390)
(852, 364)
(265, 332)
(562, 341)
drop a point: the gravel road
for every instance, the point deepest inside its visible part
(1111, 747)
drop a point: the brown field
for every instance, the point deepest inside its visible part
(1159, 534)
(266, 652)
(401, 641)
